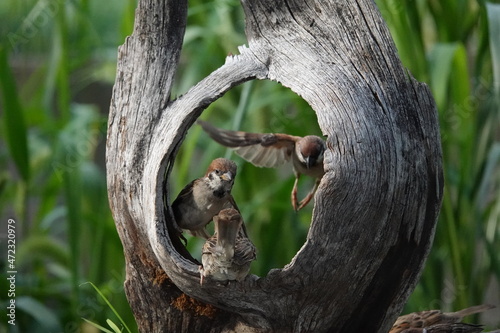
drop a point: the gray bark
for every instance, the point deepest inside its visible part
(376, 207)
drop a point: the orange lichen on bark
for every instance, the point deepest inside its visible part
(160, 276)
(186, 303)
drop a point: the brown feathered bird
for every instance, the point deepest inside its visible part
(447, 328)
(203, 198)
(274, 149)
(441, 320)
(227, 255)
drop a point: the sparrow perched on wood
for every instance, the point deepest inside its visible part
(227, 255)
(271, 150)
(447, 328)
(426, 319)
(203, 198)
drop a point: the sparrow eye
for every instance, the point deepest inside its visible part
(217, 171)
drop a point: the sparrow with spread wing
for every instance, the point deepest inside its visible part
(436, 319)
(227, 255)
(203, 198)
(274, 149)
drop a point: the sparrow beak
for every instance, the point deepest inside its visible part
(310, 162)
(226, 176)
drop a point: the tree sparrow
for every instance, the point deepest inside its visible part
(271, 150)
(448, 328)
(228, 253)
(203, 198)
(435, 318)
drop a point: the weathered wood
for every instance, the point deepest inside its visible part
(375, 209)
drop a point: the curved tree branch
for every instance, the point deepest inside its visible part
(375, 209)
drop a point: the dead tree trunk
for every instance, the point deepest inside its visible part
(375, 209)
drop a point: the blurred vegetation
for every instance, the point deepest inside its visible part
(57, 66)
(454, 46)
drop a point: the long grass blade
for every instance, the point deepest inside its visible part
(493, 10)
(441, 60)
(14, 124)
(110, 306)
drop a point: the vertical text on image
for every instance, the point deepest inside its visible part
(11, 271)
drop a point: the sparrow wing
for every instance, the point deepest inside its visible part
(435, 317)
(231, 203)
(414, 319)
(261, 149)
(209, 245)
(183, 194)
(244, 251)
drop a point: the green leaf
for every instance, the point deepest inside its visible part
(98, 326)
(493, 11)
(440, 61)
(14, 124)
(460, 81)
(113, 326)
(491, 170)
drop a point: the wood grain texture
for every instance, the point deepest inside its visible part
(375, 209)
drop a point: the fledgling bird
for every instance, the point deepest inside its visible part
(203, 198)
(227, 255)
(274, 149)
(424, 319)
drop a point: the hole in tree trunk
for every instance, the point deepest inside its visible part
(262, 194)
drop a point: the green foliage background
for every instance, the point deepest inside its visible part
(57, 66)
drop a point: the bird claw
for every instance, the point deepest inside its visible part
(299, 205)
(295, 201)
(305, 201)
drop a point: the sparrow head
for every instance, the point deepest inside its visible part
(227, 223)
(310, 150)
(229, 215)
(220, 175)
